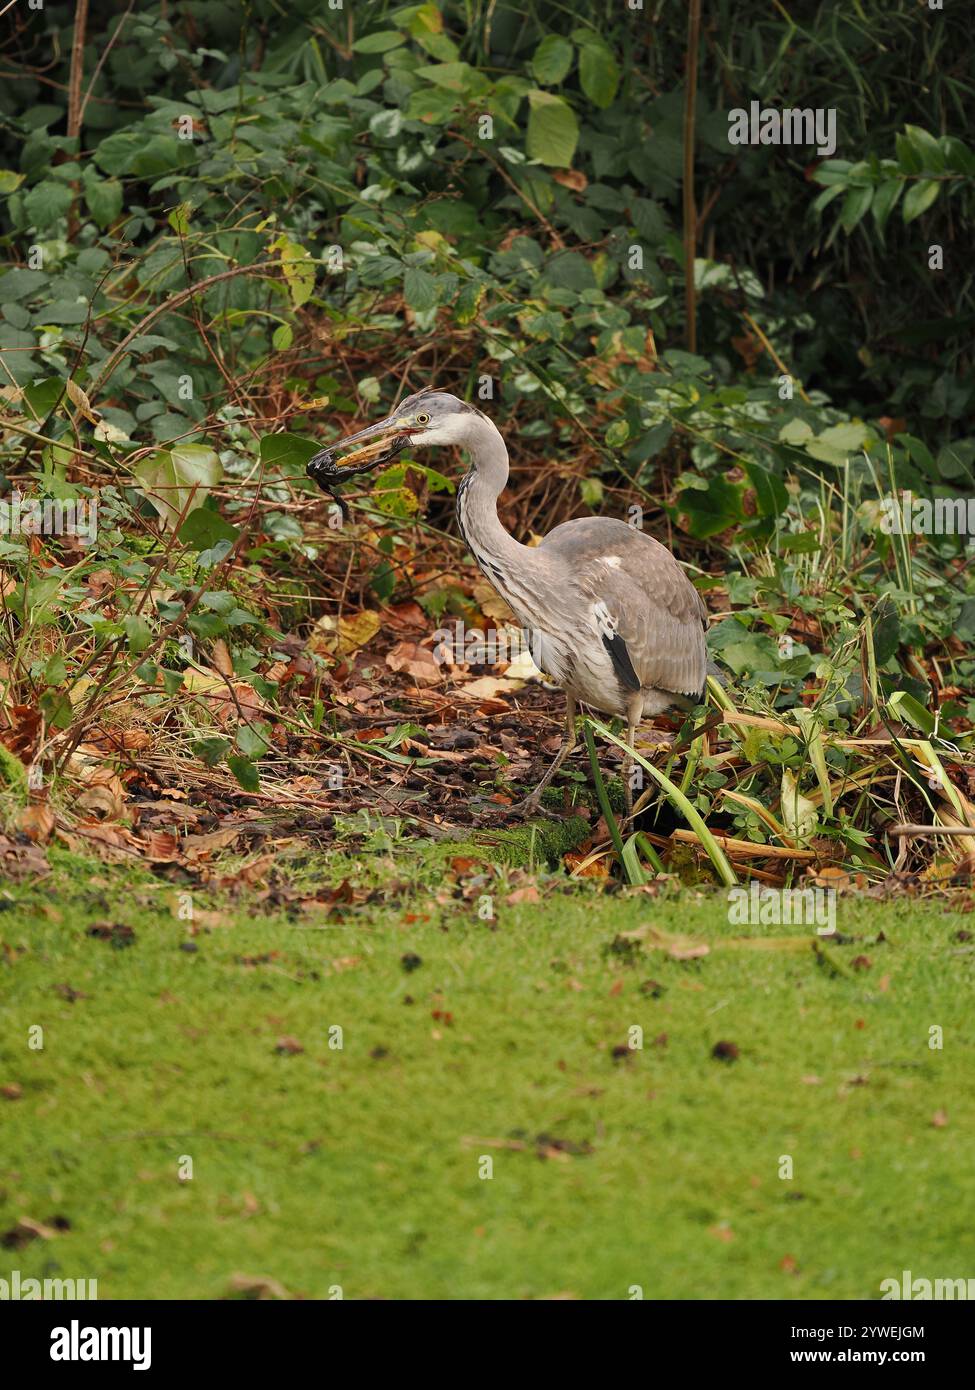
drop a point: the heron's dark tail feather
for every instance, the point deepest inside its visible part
(715, 671)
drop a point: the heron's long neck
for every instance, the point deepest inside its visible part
(507, 564)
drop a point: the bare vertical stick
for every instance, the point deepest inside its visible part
(690, 210)
(77, 67)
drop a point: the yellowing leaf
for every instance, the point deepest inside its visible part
(298, 269)
(798, 812)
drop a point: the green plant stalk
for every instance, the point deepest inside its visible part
(677, 798)
(601, 796)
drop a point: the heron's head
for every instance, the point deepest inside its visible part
(429, 417)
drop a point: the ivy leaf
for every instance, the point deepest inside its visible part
(169, 477)
(711, 506)
(43, 396)
(203, 528)
(287, 451)
(553, 131)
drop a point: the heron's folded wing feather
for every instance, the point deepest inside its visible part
(654, 607)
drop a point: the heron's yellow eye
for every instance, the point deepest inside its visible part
(423, 418)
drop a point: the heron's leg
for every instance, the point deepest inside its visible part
(634, 713)
(531, 802)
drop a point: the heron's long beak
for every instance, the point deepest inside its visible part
(393, 431)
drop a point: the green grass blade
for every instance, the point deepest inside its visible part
(602, 797)
(680, 803)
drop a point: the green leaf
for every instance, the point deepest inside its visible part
(770, 490)
(9, 181)
(800, 543)
(287, 451)
(46, 202)
(203, 528)
(908, 155)
(469, 301)
(427, 17)
(179, 218)
(171, 477)
(43, 396)
(211, 750)
(931, 153)
(57, 709)
(599, 74)
(56, 670)
(886, 625)
(713, 508)
(553, 131)
(795, 432)
(919, 454)
(617, 433)
(460, 78)
(245, 772)
(856, 205)
(431, 106)
(103, 199)
(836, 444)
(919, 198)
(904, 706)
(380, 42)
(386, 124)
(206, 625)
(958, 156)
(138, 631)
(552, 60)
(253, 739)
(282, 337)
(885, 200)
(419, 288)
(649, 220)
(117, 153)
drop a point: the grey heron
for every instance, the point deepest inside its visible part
(614, 619)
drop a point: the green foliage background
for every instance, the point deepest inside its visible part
(271, 218)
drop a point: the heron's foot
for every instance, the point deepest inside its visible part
(527, 807)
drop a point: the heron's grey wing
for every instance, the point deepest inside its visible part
(650, 617)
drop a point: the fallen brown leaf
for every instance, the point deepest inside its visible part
(36, 822)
